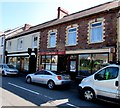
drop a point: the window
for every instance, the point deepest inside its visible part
(96, 32)
(72, 35)
(107, 73)
(9, 45)
(20, 43)
(35, 39)
(50, 62)
(2, 41)
(52, 39)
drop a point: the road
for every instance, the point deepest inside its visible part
(40, 95)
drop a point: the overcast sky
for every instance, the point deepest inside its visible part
(15, 13)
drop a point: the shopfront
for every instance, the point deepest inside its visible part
(21, 63)
(75, 63)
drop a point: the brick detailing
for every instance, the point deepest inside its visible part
(89, 29)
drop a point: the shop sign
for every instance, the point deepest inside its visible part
(52, 53)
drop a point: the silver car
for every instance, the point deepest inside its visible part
(51, 79)
(8, 69)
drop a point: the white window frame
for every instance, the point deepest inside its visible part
(34, 42)
(49, 39)
(91, 28)
(68, 32)
(19, 45)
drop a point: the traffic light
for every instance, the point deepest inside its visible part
(29, 51)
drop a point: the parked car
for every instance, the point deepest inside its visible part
(103, 84)
(8, 69)
(51, 79)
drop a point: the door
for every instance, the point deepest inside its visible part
(38, 77)
(105, 82)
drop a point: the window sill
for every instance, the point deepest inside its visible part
(71, 45)
(52, 47)
(95, 42)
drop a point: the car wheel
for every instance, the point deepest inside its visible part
(28, 80)
(51, 84)
(88, 94)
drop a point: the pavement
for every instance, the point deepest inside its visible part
(9, 99)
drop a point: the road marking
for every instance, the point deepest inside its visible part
(23, 88)
(72, 105)
(47, 97)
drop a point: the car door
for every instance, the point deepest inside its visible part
(105, 84)
(37, 77)
(46, 76)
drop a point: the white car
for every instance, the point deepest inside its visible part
(51, 79)
(104, 84)
(8, 69)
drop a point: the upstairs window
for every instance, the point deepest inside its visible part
(72, 36)
(20, 43)
(35, 40)
(96, 32)
(2, 41)
(9, 45)
(52, 40)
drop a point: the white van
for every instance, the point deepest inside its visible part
(104, 84)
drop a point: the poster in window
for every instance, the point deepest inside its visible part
(72, 66)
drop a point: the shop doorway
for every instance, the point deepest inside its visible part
(62, 63)
(32, 64)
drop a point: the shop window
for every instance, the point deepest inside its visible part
(96, 32)
(90, 63)
(50, 62)
(72, 36)
(84, 63)
(99, 61)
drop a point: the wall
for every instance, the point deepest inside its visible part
(27, 43)
(110, 33)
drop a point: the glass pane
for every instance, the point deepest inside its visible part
(54, 67)
(47, 66)
(72, 30)
(84, 64)
(43, 60)
(54, 59)
(48, 59)
(96, 34)
(99, 61)
(52, 41)
(72, 38)
(97, 24)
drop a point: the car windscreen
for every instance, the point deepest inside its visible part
(11, 66)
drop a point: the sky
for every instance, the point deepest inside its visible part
(15, 13)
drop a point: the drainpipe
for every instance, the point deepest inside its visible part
(118, 36)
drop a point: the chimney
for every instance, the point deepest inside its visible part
(26, 27)
(62, 13)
